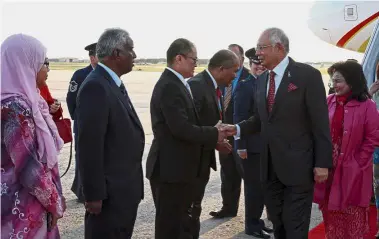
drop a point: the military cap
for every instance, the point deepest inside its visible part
(91, 49)
(251, 54)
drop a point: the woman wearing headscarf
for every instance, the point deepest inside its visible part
(354, 121)
(31, 191)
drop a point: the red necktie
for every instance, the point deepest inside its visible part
(218, 93)
(271, 92)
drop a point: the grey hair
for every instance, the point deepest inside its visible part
(111, 39)
(277, 35)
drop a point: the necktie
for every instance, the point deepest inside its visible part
(228, 96)
(125, 93)
(123, 89)
(271, 92)
(218, 93)
(189, 89)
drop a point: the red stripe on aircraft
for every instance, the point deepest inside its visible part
(347, 36)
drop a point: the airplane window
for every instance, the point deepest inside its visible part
(351, 13)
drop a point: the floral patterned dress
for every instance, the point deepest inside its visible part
(29, 189)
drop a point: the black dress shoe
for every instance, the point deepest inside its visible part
(222, 214)
(259, 234)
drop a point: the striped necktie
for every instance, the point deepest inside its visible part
(228, 96)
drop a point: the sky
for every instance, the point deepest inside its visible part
(65, 28)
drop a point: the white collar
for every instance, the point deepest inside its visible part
(213, 79)
(281, 67)
(181, 78)
(114, 76)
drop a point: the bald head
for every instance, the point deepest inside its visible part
(224, 66)
(223, 58)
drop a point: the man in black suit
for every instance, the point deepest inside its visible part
(222, 69)
(249, 150)
(76, 81)
(292, 116)
(231, 169)
(110, 143)
(174, 160)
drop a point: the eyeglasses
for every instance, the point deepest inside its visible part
(262, 47)
(195, 60)
(47, 64)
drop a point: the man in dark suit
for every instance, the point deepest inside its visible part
(174, 160)
(110, 143)
(249, 150)
(292, 116)
(75, 83)
(231, 169)
(222, 69)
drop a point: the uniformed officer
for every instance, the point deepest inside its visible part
(249, 149)
(75, 82)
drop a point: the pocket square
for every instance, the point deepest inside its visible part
(291, 87)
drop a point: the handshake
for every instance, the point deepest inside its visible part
(225, 130)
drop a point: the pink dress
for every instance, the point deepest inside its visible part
(29, 190)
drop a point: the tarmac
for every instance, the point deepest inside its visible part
(140, 86)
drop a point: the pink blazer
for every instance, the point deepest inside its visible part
(353, 177)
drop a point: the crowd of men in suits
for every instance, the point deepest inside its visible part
(274, 123)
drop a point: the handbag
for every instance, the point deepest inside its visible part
(64, 129)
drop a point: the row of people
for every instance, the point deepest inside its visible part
(297, 134)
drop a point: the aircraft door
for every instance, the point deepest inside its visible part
(371, 57)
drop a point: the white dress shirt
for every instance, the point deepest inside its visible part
(215, 85)
(181, 78)
(114, 76)
(279, 73)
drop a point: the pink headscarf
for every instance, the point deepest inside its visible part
(22, 57)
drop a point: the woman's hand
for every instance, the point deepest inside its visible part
(55, 107)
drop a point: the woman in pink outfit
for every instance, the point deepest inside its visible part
(354, 122)
(31, 191)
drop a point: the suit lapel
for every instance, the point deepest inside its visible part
(212, 91)
(121, 97)
(181, 85)
(136, 118)
(282, 90)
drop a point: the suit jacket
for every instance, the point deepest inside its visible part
(76, 81)
(110, 145)
(296, 132)
(175, 153)
(206, 102)
(244, 107)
